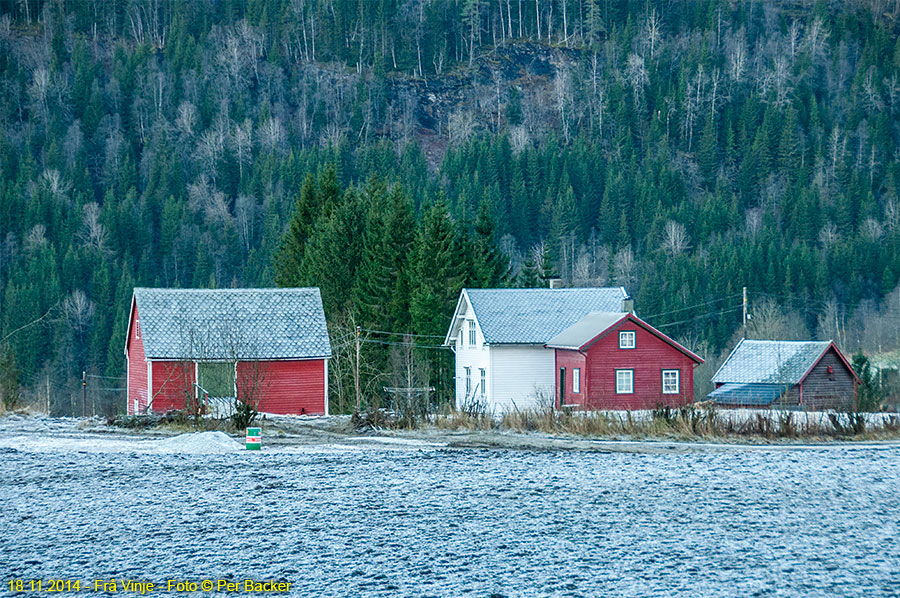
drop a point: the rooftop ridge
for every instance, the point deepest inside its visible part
(241, 290)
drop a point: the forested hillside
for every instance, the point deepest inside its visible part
(681, 149)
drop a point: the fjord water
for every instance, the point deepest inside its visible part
(362, 521)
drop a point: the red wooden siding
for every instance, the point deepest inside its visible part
(648, 359)
(569, 360)
(137, 367)
(287, 387)
(172, 380)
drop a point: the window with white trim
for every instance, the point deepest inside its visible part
(671, 382)
(626, 339)
(624, 382)
(137, 329)
(468, 380)
(576, 380)
(471, 333)
(483, 383)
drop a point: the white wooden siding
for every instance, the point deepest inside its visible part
(521, 378)
(477, 357)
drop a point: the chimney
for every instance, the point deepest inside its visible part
(555, 283)
(628, 305)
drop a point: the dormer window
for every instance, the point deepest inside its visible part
(626, 339)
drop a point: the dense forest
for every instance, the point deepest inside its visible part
(393, 151)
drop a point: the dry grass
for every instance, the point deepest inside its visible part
(699, 421)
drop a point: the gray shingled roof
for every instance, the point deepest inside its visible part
(770, 362)
(232, 323)
(576, 335)
(534, 316)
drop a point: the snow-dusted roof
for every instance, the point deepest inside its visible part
(534, 316)
(770, 362)
(232, 323)
(748, 395)
(588, 327)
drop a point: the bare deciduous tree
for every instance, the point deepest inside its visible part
(461, 126)
(794, 39)
(39, 91)
(93, 232)
(272, 135)
(211, 148)
(675, 238)
(53, 182)
(203, 196)
(769, 321)
(637, 78)
(245, 215)
(653, 26)
(828, 235)
(816, 36)
(186, 119)
(78, 310)
(737, 55)
(518, 139)
(36, 237)
(562, 95)
(242, 143)
(625, 266)
(872, 229)
(891, 215)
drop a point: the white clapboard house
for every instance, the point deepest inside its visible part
(498, 336)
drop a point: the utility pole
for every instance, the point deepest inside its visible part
(83, 393)
(358, 330)
(745, 312)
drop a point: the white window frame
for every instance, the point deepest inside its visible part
(468, 380)
(483, 382)
(677, 382)
(620, 382)
(627, 334)
(576, 380)
(137, 329)
(473, 340)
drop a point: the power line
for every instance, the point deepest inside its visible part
(399, 344)
(32, 323)
(401, 333)
(706, 315)
(665, 313)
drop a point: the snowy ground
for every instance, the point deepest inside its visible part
(411, 517)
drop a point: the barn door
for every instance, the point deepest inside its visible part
(217, 378)
(562, 387)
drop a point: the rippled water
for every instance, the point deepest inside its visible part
(342, 521)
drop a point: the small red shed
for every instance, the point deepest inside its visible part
(618, 361)
(191, 347)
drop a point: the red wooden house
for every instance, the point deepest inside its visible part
(618, 361)
(189, 347)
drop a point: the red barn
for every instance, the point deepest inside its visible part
(618, 361)
(188, 347)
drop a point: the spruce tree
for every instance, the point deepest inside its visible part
(290, 254)
(438, 275)
(490, 267)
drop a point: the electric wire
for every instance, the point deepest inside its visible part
(666, 313)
